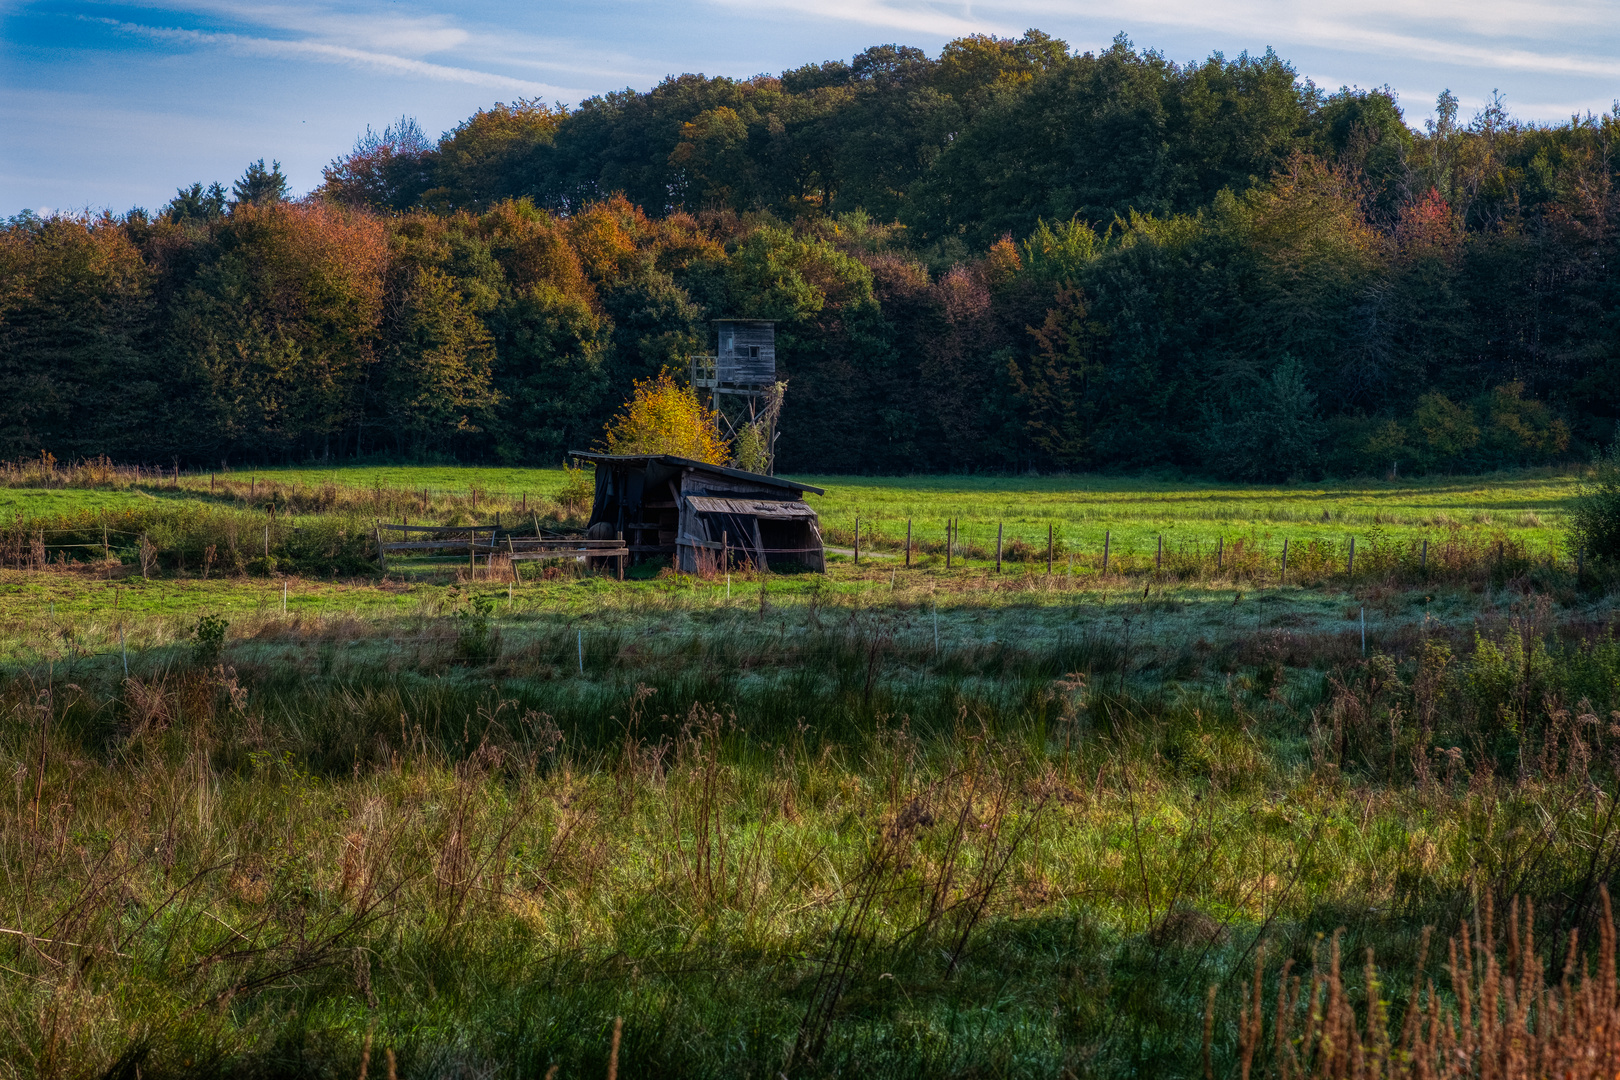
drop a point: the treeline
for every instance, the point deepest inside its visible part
(1007, 257)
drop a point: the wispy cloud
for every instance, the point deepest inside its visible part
(387, 29)
(934, 20)
(1511, 35)
(335, 53)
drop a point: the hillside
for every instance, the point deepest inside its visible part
(1009, 256)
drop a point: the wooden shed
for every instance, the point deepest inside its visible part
(665, 505)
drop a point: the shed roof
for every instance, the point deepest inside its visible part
(700, 466)
(763, 508)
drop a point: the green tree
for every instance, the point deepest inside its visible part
(493, 155)
(196, 205)
(274, 335)
(434, 380)
(1595, 514)
(77, 307)
(1269, 433)
(260, 186)
(1058, 384)
(1447, 430)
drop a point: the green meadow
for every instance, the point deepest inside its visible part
(300, 818)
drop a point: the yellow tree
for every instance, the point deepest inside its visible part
(665, 417)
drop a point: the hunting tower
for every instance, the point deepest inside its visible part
(740, 380)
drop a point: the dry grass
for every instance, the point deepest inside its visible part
(1502, 1019)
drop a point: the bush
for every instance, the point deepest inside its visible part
(579, 487)
(210, 639)
(1595, 517)
(476, 639)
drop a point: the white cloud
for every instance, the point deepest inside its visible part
(383, 30)
(338, 54)
(1510, 35)
(936, 20)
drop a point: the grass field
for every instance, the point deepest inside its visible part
(888, 821)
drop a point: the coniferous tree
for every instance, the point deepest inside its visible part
(259, 186)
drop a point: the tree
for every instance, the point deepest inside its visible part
(665, 417)
(260, 186)
(435, 378)
(1595, 516)
(274, 334)
(1056, 383)
(711, 161)
(196, 205)
(76, 304)
(386, 170)
(1269, 433)
(495, 154)
(1448, 430)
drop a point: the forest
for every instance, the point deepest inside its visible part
(1009, 257)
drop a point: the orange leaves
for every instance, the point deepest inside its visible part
(606, 236)
(1428, 228)
(318, 261)
(533, 247)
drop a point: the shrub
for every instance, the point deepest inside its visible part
(1595, 517)
(476, 639)
(209, 635)
(579, 487)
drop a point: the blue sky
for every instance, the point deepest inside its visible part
(116, 104)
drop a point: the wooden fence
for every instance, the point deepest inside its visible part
(487, 540)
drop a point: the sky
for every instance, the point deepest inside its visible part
(112, 105)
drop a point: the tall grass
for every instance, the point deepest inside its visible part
(831, 851)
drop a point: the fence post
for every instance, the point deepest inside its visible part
(1284, 580)
(948, 544)
(1423, 562)
(1220, 554)
(1580, 563)
(998, 547)
(472, 553)
(1158, 559)
(1350, 567)
(908, 541)
(622, 553)
(1107, 535)
(1048, 547)
(106, 550)
(725, 558)
(267, 541)
(382, 555)
(857, 539)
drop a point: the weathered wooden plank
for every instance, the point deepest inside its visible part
(428, 545)
(439, 529)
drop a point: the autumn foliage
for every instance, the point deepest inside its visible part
(1011, 256)
(665, 417)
